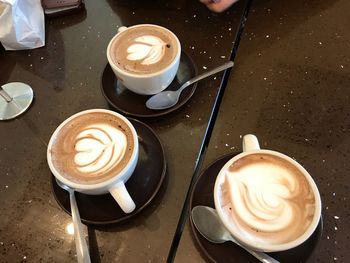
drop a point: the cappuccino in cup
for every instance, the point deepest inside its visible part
(92, 148)
(267, 200)
(144, 50)
(145, 58)
(95, 152)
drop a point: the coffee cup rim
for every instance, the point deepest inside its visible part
(261, 246)
(79, 186)
(140, 76)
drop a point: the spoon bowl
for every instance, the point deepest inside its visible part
(167, 99)
(208, 224)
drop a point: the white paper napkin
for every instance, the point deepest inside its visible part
(22, 24)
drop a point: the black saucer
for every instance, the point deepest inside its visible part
(202, 194)
(143, 185)
(132, 104)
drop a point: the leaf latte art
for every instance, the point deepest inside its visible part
(144, 49)
(147, 49)
(267, 198)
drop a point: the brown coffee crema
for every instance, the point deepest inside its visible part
(92, 148)
(267, 198)
(144, 50)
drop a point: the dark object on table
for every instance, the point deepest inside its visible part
(54, 8)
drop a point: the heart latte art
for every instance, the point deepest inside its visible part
(267, 199)
(92, 148)
(144, 49)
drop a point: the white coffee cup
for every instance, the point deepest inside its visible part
(115, 185)
(251, 147)
(146, 84)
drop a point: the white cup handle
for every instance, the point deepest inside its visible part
(122, 28)
(250, 143)
(122, 196)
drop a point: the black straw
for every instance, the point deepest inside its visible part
(204, 146)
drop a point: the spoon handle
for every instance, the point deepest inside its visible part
(80, 243)
(261, 256)
(227, 65)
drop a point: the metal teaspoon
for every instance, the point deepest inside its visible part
(167, 99)
(207, 222)
(80, 243)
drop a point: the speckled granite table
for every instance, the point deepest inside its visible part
(66, 78)
(290, 87)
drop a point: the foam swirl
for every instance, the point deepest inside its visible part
(99, 148)
(263, 202)
(149, 49)
(268, 201)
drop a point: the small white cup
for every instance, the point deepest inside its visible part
(146, 84)
(115, 185)
(251, 146)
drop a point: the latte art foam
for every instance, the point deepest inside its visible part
(92, 148)
(98, 148)
(267, 198)
(144, 49)
(147, 49)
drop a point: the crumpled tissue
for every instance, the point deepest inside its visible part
(22, 24)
